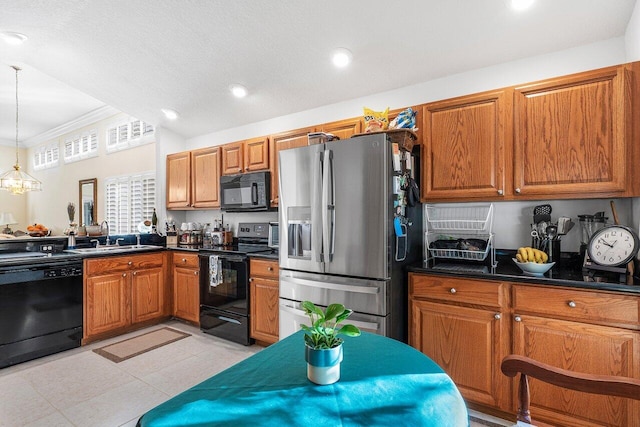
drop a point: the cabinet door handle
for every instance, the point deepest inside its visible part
(130, 263)
(195, 272)
(239, 169)
(248, 168)
(250, 279)
(518, 319)
(124, 274)
(184, 260)
(500, 192)
(269, 268)
(135, 273)
(453, 290)
(518, 190)
(497, 316)
(571, 304)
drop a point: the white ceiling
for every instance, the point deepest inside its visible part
(139, 56)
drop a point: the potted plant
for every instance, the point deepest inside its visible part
(323, 347)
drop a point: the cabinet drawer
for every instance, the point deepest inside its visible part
(468, 291)
(263, 268)
(184, 259)
(590, 306)
(122, 263)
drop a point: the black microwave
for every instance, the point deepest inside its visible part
(246, 192)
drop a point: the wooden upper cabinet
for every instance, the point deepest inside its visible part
(179, 180)
(232, 158)
(245, 156)
(205, 177)
(343, 129)
(464, 147)
(571, 135)
(284, 141)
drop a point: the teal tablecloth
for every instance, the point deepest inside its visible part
(383, 383)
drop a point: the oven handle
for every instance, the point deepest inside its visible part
(228, 319)
(328, 285)
(297, 312)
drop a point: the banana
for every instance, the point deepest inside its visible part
(545, 257)
(530, 256)
(519, 257)
(537, 255)
(523, 254)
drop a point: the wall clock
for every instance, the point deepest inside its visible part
(611, 248)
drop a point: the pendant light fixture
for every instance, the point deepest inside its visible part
(15, 181)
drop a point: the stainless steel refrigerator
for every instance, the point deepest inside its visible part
(345, 234)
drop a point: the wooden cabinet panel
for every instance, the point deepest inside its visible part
(122, 291)
(106, 301)
(232, 157)
(580, 347)
(464, 146)
(186, 293)
(256, 154)
(284, 141)
(205, 178)
(264, 309)
(571, 135)
(178, 180)
(580, 305)
(343, 129)
(468, 343)
(147, 294)
(264, 300)
(489, 293)
(185, 259)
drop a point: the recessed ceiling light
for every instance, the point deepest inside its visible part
(13, 38)
(169, 113)
(238, 90)
(521, 4)
(341, 57)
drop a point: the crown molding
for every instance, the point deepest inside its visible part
(91, 117)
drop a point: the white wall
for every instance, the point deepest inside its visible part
(16, 204)
(632, 35)
(60, 184)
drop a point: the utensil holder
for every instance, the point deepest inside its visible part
(553, 251)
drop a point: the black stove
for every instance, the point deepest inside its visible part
(252, 237)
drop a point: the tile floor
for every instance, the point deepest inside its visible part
(80, 388)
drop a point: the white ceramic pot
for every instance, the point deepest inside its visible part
(323, 366)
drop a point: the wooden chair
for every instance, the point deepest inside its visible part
(598, 384)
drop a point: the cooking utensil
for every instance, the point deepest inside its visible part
(542, 213)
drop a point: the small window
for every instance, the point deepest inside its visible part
(129, 201)
(81, 146)
(128, 134)
(46, 156)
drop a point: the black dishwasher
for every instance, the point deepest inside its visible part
(40, 310)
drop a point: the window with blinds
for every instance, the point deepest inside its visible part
(129, 201)
(123, 135)
(46, 156)
(81, 146)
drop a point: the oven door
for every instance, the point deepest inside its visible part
(245, 192)
(224, 283)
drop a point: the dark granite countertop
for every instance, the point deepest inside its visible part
(567, 272)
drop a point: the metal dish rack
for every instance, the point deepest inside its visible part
(459, 222)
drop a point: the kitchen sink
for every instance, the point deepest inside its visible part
(112, 249)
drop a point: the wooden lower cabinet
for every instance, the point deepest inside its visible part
(467, 340)
(186, 287)
(571, 329)
(122, 292)
(467, 327)
(264, 296)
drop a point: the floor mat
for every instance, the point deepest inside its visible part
(131, 347)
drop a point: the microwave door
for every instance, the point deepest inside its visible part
(300, 207)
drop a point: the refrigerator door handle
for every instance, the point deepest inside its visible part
(316, 209)
(328, 285)
(328, 207)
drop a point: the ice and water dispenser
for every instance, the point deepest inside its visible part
(299, 232)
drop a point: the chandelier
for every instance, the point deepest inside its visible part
(16, 181)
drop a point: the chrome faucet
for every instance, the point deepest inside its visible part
(97, 242)
(107, 224)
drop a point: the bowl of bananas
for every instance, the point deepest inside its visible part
(532, 261)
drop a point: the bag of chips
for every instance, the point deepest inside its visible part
(405, 120)
(375, 121)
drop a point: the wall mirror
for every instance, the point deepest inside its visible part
(88, 201)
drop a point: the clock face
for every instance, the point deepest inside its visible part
(613, 245)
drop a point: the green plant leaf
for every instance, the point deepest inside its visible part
(346, 313)
(349, 330)
(333, 311)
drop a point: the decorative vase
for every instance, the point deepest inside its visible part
(323, 365)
